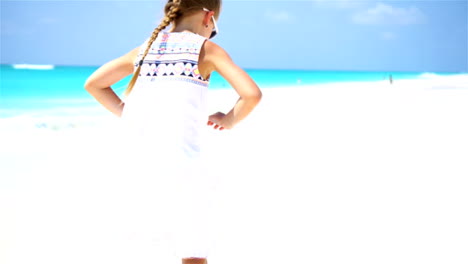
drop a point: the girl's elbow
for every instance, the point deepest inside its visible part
(88, 86)
(256, 96)
(259, 95)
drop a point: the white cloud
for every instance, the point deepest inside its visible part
(387, 14)
(388, 35)
(342, 4)
(279, 16)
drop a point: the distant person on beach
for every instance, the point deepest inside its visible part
(390, 79)
(165, 109)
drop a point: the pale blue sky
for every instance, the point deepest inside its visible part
(371, 35)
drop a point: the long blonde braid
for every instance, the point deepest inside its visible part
(172, 13)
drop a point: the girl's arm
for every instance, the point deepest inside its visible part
(215, 58)
(99, 83)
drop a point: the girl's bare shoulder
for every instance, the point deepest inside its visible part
(212, 57)
(212, 49)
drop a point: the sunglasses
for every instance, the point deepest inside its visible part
(215, 29)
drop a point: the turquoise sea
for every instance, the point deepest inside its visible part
(28, 91)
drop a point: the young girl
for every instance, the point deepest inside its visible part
(166, 109)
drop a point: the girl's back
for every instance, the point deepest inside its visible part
(167, 106)
(165, 115)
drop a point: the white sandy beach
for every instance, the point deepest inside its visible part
(339, 173)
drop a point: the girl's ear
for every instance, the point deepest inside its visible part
(207, 17)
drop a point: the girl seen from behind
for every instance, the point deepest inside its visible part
(165, 108)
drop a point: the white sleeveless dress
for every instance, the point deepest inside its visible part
(165, 115)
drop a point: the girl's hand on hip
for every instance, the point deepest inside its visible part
(218, 121)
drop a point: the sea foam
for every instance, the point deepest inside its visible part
(34, 66)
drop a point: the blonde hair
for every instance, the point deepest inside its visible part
(174, 10)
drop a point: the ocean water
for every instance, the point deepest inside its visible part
(40, 92)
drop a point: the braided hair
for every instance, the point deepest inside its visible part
(172, 13)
